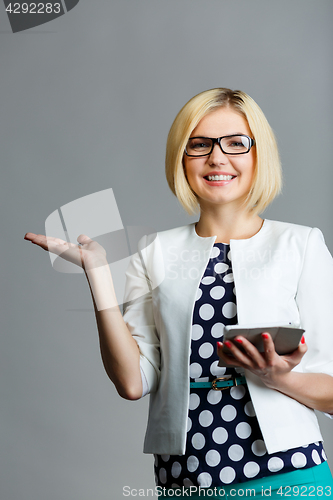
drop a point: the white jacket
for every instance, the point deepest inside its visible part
(283, 274)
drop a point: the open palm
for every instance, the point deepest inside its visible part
(88, 254)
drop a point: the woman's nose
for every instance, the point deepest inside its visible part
(217, 156)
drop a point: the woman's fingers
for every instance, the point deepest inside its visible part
(28, 236)
(248, 356)
(32, 237)
(227, 358)
(244, 359)
(38, 239)
(269, 348)
(65, 250)
(54, 245)
(251, 352)
(84, 239)
(296, 356)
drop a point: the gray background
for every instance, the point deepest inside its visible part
(86, 103)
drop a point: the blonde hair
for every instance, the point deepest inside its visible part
(267, 181)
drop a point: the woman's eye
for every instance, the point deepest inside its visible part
(199, 144)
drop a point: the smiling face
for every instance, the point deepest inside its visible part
(237, 171)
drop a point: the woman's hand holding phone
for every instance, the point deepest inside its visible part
(269, 366)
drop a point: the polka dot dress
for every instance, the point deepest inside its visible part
(224, 442)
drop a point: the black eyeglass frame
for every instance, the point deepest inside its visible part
(217, 140)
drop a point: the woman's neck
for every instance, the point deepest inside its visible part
(226, 226)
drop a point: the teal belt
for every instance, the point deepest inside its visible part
(219, 383)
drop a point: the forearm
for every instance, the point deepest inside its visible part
(120, 352)
(314, 390)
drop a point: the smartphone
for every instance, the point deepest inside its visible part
(286, 338)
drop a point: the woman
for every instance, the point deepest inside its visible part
(261, 431)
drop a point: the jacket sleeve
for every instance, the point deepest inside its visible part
(139, 318)
(314, 299)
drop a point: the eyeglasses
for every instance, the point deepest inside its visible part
(229, 144)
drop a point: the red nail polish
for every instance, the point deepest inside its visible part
(239, 341)
(302, 340)
(227, 343)
(265, 335)
(219, 344)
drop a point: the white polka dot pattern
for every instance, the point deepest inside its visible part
(206, 350)
(298, 460)
(235, 452)
(275, 464)
(249, 410)
(258, 447)
(251, 469)
(224, 442)
(228, 413)
(221, 268)
(237, 392)
(208, 280)
(217, 330)
(206, 418)
(194, 401)
(243, 430)
(192, 463)
(220, 435)
(229, 310)
(227, 475)
(195, 370)
(214, 397)
(228, 278)
(216, 370)
(204, 480)
(206, 312)
(217, 292)
(198, 441)
(215, 252)
(163, 475)
(197, 332)
(176, 469)
(213, 458)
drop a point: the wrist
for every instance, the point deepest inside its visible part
(282, 382)
(95, 263)
(101, 286)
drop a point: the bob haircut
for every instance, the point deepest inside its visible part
(267, 181)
